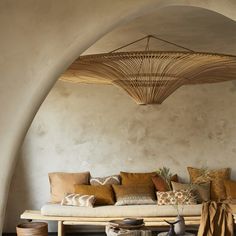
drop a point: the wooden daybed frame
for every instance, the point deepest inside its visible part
(63, 221)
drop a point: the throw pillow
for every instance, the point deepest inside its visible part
(62, 183)
(202, 190)
(113, 179)
(230, 187)
(134, 195)
(103, 193)
(161, 185)
(216, 177)
(73, 199)
(136, 178)
(180, 197)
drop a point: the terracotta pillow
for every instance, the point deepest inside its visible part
(136, 178)
(160, 184)
(134, 195)
(62, 183)
(230, 187)
(216, 177)
(103, 193)
(201, 190)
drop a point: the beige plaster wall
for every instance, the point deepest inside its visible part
(39, 39)
(100, 129)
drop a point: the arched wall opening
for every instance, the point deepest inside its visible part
(30, 92)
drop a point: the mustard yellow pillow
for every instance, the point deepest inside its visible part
(62, 183)
(137, 178)
(103, 193)
(230, 187)
(216, 177)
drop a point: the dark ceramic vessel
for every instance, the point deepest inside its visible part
(133, 221)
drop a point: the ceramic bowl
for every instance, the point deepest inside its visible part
(133, 221)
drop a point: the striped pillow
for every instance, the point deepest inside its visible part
(135, 200)
(113, 179)
(73, 199)
(134, 195)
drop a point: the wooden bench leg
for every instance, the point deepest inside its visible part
(60, 228)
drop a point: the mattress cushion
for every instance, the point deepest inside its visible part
(119, 211)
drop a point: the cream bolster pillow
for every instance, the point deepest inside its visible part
(62, 183)
(73, 199)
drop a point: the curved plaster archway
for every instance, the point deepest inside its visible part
(39, 40)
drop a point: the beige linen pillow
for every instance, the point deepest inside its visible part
(62, 183)
(73, 199)
(202, 190)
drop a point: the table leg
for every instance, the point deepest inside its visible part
(60, 228)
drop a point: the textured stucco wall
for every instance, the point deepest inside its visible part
(39, 40)
(100, 129)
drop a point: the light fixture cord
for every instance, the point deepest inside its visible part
(147, 46)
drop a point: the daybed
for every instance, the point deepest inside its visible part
(153, 215)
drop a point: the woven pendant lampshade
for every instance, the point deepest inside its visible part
(149, 77)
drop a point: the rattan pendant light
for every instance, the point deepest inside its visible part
(149, 77)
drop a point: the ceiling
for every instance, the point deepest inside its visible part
(192, 27)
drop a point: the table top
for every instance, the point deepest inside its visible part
(186, 234)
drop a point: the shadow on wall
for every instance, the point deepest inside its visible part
(19, 197)
(24, 193)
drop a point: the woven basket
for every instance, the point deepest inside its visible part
(32, 229)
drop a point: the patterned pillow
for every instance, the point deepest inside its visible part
(216, 177)
(73, 199)
(180, 197)
(113, 179)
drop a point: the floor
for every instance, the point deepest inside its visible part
(70, 234)
(100, 231)
(75, 234)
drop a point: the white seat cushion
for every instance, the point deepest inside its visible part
(119, 211)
